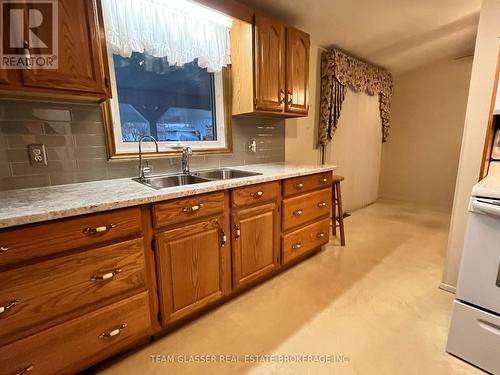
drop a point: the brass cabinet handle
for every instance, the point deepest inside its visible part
(193, 208)
(320, 235)
(238, 233)
(321, 204)
(224, 237)
(106, 276)
(25, 370)
(96, 230)
(296, 246)
(6, 308)
(290, 97)
(282, 96)
(298, 212)
(323, 180)
(257, 194)
(3, 248)
(112, 333)
(299, 186)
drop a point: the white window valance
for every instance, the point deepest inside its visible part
(179, 30)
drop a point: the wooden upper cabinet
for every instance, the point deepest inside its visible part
(80, 53)
(255, 243)
(269, 64)
(297, 71)
(277, 85)
(193, 268)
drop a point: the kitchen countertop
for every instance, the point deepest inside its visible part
(25, 206)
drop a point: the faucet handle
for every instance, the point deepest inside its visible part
(146, 169)
(187, 150)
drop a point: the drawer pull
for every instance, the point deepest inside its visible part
(257, 195)
(323, 180)
(238, 233)
(6, 308)
(106, 276)
(320, 235)
(3, 248)
(112, 333)
(321, 204)
(298, 212)
(96, 230)
(25, 370)
(296, 246)
(193, 208)
(224, 238)
(299, 186)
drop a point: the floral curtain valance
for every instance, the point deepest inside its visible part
(178, 30)
(339, 71)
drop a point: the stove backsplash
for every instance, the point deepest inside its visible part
(73, 135)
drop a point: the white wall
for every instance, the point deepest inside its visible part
(420, 160)
(356, 145)
(356, 149)
(476, 119)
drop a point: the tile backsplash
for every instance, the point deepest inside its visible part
(73, 135)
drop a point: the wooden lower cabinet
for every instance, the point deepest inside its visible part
(255, 242)
(193, 267)
(74, 345)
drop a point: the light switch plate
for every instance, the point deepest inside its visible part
(38, 155)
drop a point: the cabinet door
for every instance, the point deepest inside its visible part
(297, 71)
(193, 267)
(269, 64)
(256, 242)
(81, 64)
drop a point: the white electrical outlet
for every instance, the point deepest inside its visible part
(252, 146)
(38, 155)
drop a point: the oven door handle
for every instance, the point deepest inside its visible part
(486, 208)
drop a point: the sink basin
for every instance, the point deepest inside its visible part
(224, 174)
(171, 180)
(161, 182)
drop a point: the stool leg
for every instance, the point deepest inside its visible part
(334, 211)
(341, 216)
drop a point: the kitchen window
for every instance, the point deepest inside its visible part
(168, 64)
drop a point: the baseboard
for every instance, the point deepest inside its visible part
(448, 288)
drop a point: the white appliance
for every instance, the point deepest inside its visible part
(475, 324)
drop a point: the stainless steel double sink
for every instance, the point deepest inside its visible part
(180, 179)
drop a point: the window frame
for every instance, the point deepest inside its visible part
(115, 146)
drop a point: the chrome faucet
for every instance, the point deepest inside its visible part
(186, 153)
(145, 169)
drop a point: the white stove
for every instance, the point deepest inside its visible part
(475, 325)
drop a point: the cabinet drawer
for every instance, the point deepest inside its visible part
(305, 239)
(38, 240)
(184, 209)
(78, 343)
(47, 292)
(306, 207)
(306, 183)
(252, 194)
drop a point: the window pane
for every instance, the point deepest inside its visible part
(171, 103)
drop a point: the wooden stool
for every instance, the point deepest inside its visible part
(337, 213)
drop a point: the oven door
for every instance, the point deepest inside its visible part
(479, 277)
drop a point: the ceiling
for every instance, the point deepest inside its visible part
(400, 35)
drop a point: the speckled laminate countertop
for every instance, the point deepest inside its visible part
(26, 206)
